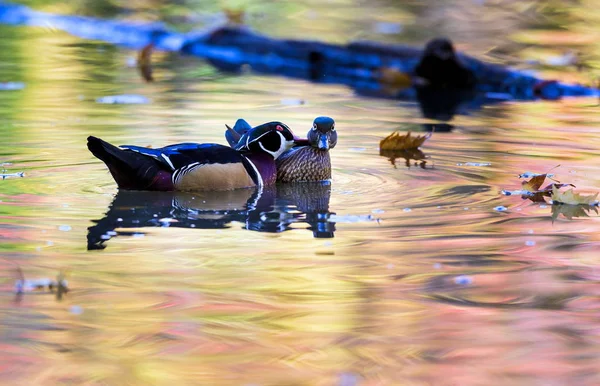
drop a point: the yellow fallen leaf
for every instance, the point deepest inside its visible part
(395, 141)
(572, 198)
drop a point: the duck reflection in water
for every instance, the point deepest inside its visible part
(269, 209)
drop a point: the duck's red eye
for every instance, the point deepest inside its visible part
(279, 128)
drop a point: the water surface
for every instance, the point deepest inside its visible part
(389, 275)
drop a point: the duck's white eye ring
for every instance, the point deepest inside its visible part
(314, 126)
(333, 127)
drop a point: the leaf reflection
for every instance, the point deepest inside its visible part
(408, 155)
(572, 211)
(271, 209)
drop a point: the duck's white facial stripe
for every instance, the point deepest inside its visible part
(283, 147)
(259, 137)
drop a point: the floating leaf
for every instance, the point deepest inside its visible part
(532, 189)
(539, 195)
(395, 141)
(144, 62)
(403, 146)
(571, 198)
(532, 174)
(534, 184)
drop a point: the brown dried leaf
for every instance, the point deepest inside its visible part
(396, 142)
(145, 62)
(539, 196)
(534, 184)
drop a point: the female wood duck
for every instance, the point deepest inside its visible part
(309, 160)
(197, 167)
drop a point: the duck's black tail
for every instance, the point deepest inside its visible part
(131, 170)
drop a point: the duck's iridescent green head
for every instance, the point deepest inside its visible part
(322, 135)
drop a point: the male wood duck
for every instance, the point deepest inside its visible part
(309, 160)
(440, 67)
(198, 167)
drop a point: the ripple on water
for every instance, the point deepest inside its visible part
(417, 266)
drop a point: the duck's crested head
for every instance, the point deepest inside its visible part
(322, 134)
(273, 138)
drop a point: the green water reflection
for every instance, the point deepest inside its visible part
(423, 283)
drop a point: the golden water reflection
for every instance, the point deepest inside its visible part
(423, 283)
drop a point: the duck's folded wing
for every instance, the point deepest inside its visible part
(157, 154)
(183, 158)
(208, 153)
(178, 155)
(215, 167)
